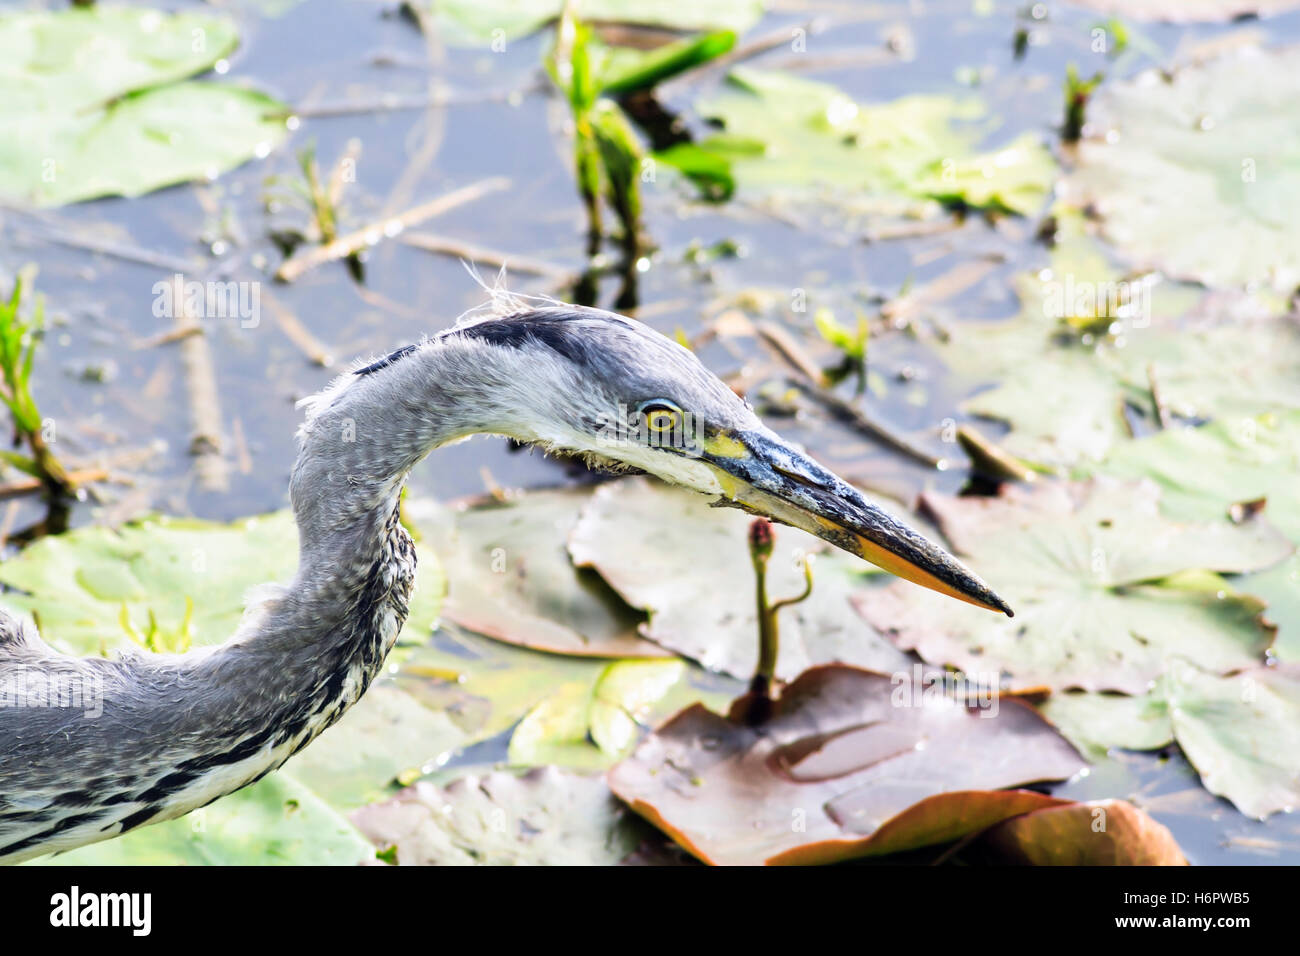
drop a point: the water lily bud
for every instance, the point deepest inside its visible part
(760, 539)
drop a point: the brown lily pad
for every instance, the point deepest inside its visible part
(668, 552)
(1098, 833)
(851, 764)
(509, 577)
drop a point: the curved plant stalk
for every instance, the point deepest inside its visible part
(769, 635)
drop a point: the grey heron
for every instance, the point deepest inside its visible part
(175, 732)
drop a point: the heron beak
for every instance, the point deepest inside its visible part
(763, 475)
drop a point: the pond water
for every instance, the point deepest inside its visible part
(118, 395)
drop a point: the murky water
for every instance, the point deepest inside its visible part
(117, 395)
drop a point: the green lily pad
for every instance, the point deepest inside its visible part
(483, 685)
(592, 725)
(1097, 833)
(274, 821)
(76, 584)
(624, 699)
(510, 577)
(1205, 471)
(544, 817)
(1063, 375)
(1280, 587)
(1209, 150)
(555, 732)
(1107, 591)
(1241, 733)
(845, 768)
(556, 704)
(92, 103)
(792, 137)
(667, 551)
(384, 737)
(484, 22)
(1095, 723)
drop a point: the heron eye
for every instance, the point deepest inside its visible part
(661, 418)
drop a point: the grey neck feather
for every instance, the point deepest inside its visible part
(361, 438)
(178, 731)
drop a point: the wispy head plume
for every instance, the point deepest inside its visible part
(501, 302)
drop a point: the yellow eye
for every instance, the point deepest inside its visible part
(661, 418)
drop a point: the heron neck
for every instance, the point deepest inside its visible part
(176, 732)
(310, 652)
(360, 439)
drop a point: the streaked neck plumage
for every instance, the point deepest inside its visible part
(178, 731)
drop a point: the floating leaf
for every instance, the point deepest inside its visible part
(1106, 590)
(555, 732)
(591, 725)
(667, 551)
(510, 577)
(789, 135)
(486, 687)
(1238, 731)
(851, 764)
(1280, 587)
(1094, 723)
(544, 817)
(625, 697)
(1099, 833)
(77, 583)
(1205, 151)
(1064, 391)
(1205, 471)
(382, 737)
(91, 104)
(1241, 733)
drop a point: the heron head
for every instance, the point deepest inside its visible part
(618, 392)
